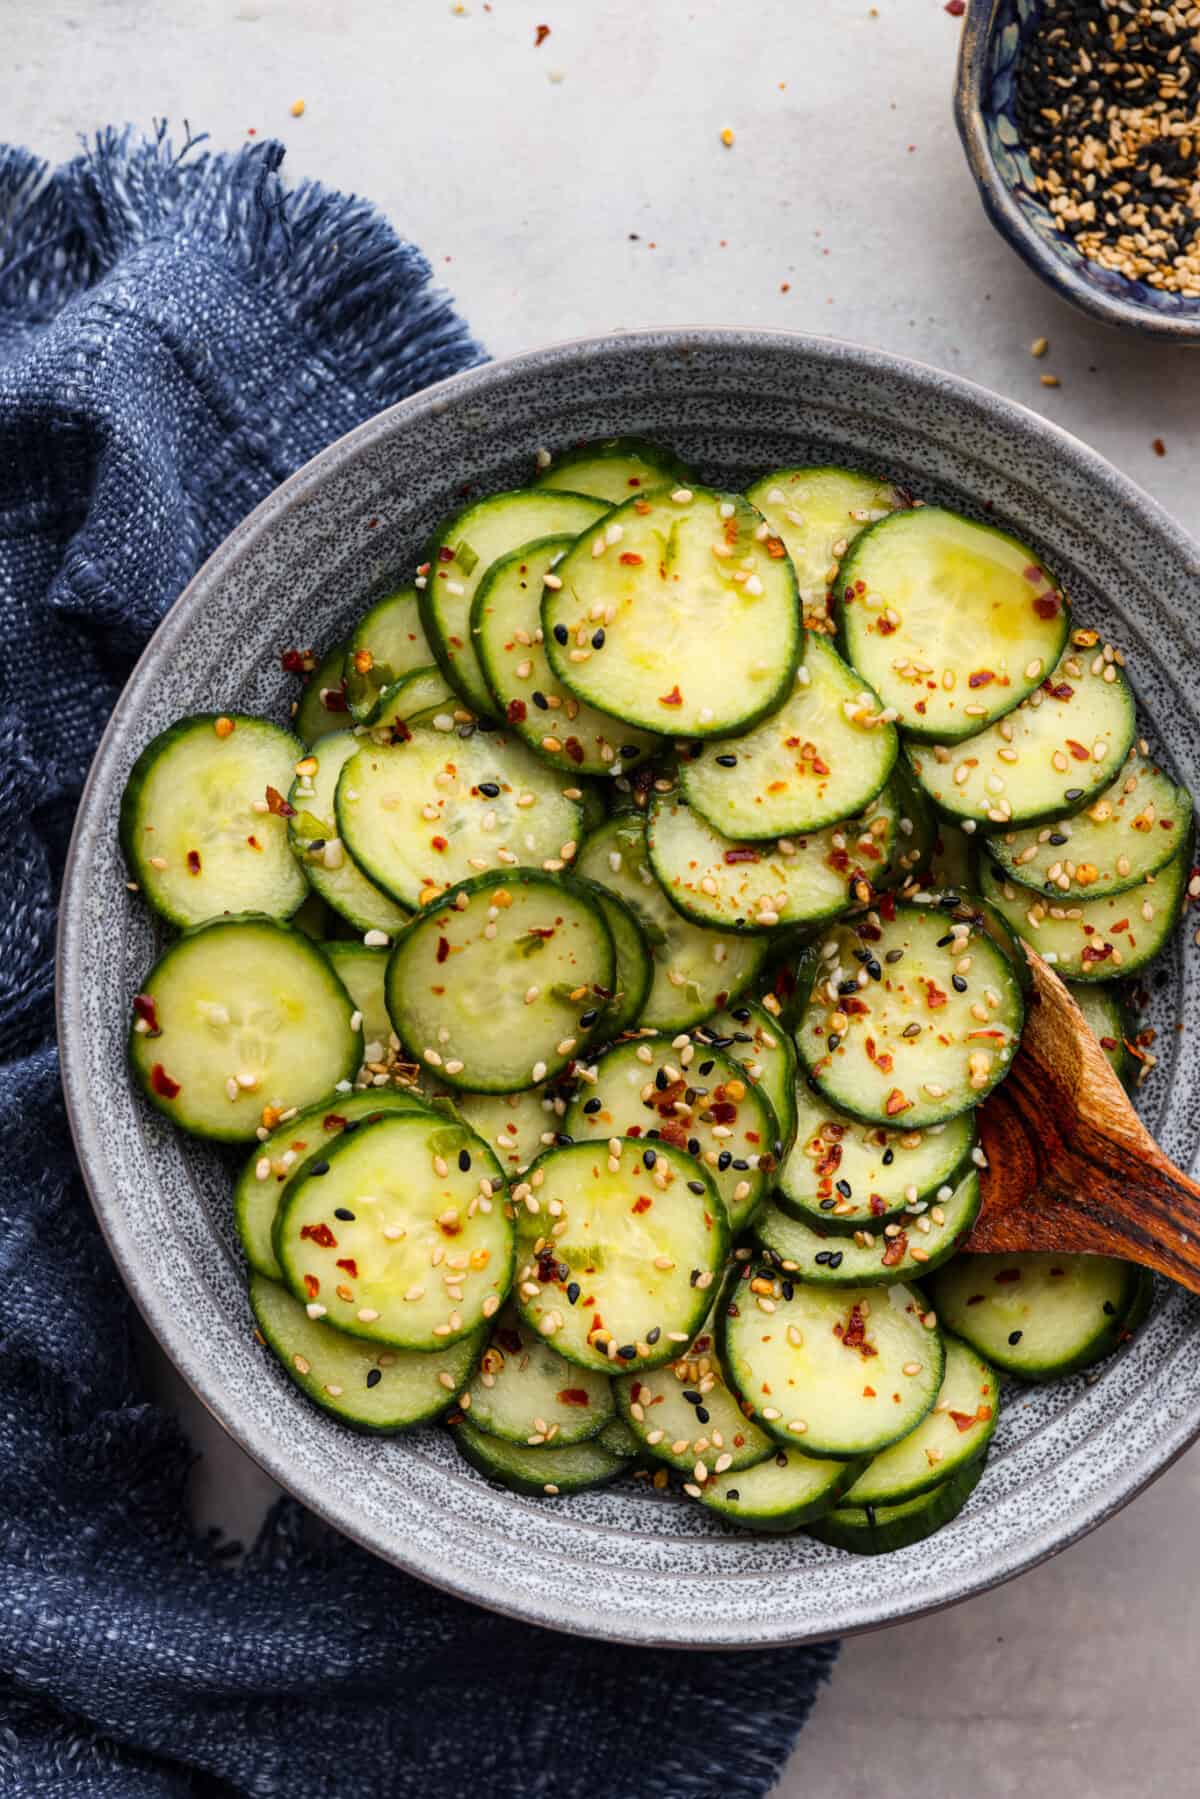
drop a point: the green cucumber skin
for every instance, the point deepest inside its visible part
(669, 468)
(977, 1454)
(472, 1445)
(630, 1010)
(878, 1530)
(1027, 820)
(914, 804)
(1121, 1060)
(328, 1152)
(216, 924)
(795, 1518)
(127, 817)
(735, 727)
(514, 877)
(688, 908)
(1140, 1305)
(316, 1397)
(847, 574)
(846, 1227)
(720, 1344)
(1108, 1336)
(883, 1277)
(312, 719)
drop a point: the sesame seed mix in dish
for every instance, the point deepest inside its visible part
(605, 995)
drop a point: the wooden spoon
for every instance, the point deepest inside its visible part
(1071, 1166)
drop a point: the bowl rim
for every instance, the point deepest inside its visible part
(171, 1332)
(970, 112)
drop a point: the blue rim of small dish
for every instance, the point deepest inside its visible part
(984, 111)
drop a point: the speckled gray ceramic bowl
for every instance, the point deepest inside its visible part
(620, 1563)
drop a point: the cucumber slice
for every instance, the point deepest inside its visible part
(822, 757)
(749, 1035)
(240, 1014)
(506, 628)
(908, 1249)
(877, 1530)
(685, 1414)
(394, 1231)
(517, 1127)
(696, 971)
(1100, 939)
(840, 1373)
(954, 1434)
(951, 869)
(842, 1175)
(916, 836)
(525, 1392)
(503, 982)
(1131, 830)
(1109, 1023)
(1037, 1315)
(651, 622)
(617, 1438)
(613, 469)
(635, 969)
(461, 554)
(951, 622)
(274, 1161)
(537, 1473)
(387, 642)
(322, 705)
(818, 512)
(705, 1106)
(195, 825)
(760, 886)
(426, 813)
(626, 1276)
(910, 1022)
(313, 833)
(425, 691)
(1050, 756)
(381, 1390)
(781, 1493)
(363, 973)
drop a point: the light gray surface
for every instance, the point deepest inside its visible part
(453, 125)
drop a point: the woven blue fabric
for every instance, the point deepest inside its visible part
(177, 334)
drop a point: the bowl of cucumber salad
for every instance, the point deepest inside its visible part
(542, 923)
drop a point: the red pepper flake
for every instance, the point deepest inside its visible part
(642, 1203)
(1159, 447)
(1078, 750)
(869, 1393)
(1122, 924)
(1059, 690)
(674, 698)
(630, 558)
(775, 549)
(896, 1103)
(334, 1121)
(297, 662)
(439, 843)
(1046, 605)
(1108, 1043)
(573, 1396)
(516, 712)
(1092, 955)
(935, 996)
(312, 1285)
(574, 749)
(541, 33)
(1007, 1276)
(145, 1008)
(278, 805)
(350, 1265)
(334, 699)
(887, 907)
(445, 553)
(320, 1234)
(964, 1420)
(896, 1250)
(854, 1332)
(252, 840)
(193, 862)
(976, 1299)
(981, 678)
(877, 1205)
(743, 854)
(443, 949)
(642, 506)
(162, 1084)
(884, 625)
(956, 8)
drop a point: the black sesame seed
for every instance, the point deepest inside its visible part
(649, 1157)
(833, 1039)
(692, 1397)
(894, 955)
(958, 983)
(732, 1493)
(727, 761)
(693, 1277)
(343, 1213)
(848, 986)
(541, 702)
(888, 1157)
(652, 1336)
(561, 634)
(705, 1067)
(693, 1146)
(724, 1159)
(695, 1186)
(702, 1414)
(787, 1289)
(629, 749)
(822, 1256)
(1014, 1337)
(464, 1159)
(315, 844)
(592, 1105)
(319, 1168)
(943, 941)
(1110, 1308)
(598, 640)
(741, 1164)
(827, 1205)
(660, 1079)
(1058, 838)
(627, 1351)
(588, 1018)
(374, 1376)
(490, 790)
(874, 970)
(467, 730)
(1073, 793)
(835, 1260)
(572, 1292)
(844, 1188)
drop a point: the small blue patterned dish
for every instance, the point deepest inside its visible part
(984, 109)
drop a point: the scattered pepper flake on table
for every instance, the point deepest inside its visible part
(1159, 447)
(297, 109)
(1049, 380)
(540, 34)
(1039, 346)
(727, 138)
